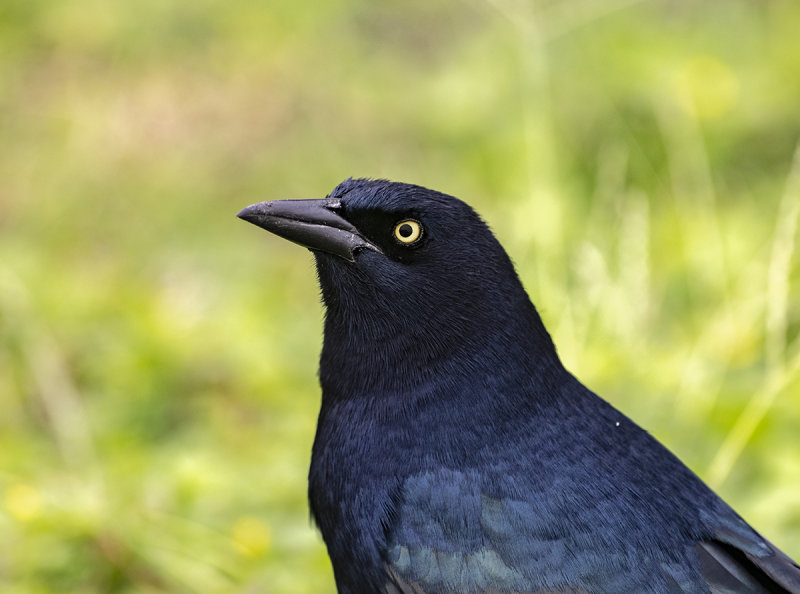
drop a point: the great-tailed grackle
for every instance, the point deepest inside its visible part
(454, 453)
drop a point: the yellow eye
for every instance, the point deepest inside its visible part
(407, 231)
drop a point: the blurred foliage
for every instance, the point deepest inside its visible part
(157, 357)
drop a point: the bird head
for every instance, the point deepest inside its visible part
(411, 278)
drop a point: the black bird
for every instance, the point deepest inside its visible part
(454, 453)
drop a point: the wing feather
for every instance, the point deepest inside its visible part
(738, 559)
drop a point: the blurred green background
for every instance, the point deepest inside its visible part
(158, 393)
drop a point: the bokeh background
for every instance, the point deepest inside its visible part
(158, 393)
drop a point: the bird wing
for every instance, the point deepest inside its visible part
(448, 532)
(446, 535)
(738, 559)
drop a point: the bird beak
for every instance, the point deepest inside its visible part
(311, 223)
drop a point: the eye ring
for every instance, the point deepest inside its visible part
(408, 231)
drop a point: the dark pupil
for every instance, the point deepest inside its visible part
(405, 230)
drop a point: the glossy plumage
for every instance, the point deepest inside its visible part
(454, 453)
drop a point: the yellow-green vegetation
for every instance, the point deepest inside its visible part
(158, 394)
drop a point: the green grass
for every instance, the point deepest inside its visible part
(157, 357)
